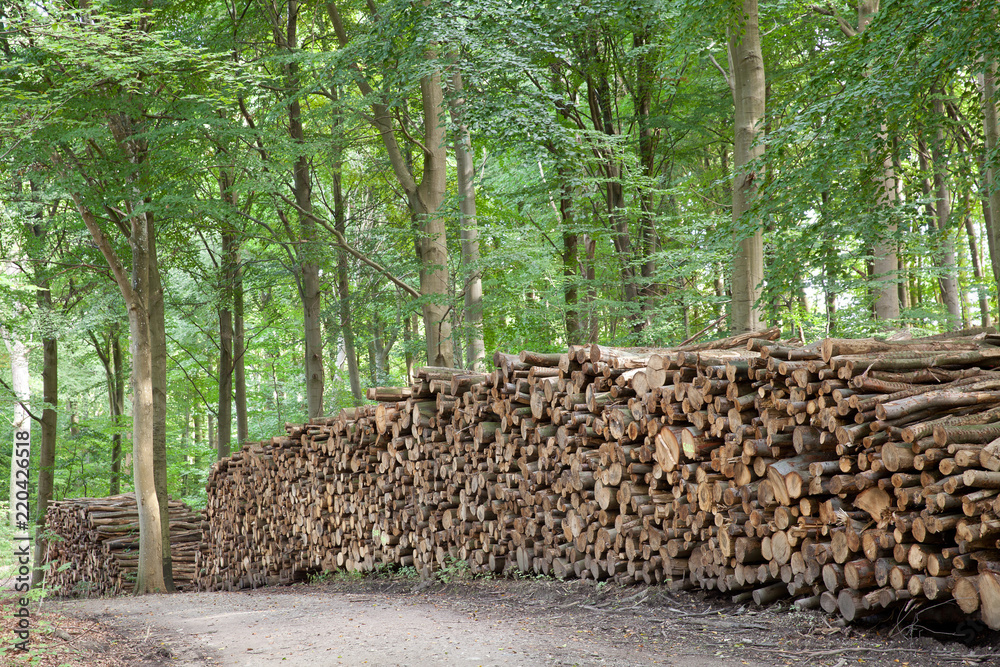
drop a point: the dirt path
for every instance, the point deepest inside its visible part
(501, 623)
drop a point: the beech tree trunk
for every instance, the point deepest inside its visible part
(343, 291)
(948, 282)
(226, 367)
(748, 95)
(135, 290)
(309, 286)
(990, 167)
(433, 245)
(977, 270)
(424, 198)
(239, 358)
(466, 173)
(117, 410)
(643, 100)
(158, 358)
(571, 267)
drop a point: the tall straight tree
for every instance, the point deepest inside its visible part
(135, 289)
(747, 84)
(885, 257)
(284, 28)
(425, 196)
(466, 172)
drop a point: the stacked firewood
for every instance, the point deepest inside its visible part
(860, 476)
(92, 547)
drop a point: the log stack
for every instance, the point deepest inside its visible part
(93, 545)
(856, 476)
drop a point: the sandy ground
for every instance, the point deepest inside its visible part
(492, 623)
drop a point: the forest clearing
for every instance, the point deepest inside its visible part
(653, 296)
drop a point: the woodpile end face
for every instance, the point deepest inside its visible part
(95, 545)
(858, 476)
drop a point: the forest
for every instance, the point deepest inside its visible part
(220, 217)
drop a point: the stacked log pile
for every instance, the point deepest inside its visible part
(860, 476)
(93, 545)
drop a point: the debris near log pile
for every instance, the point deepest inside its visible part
(93, 545)
(858, 476)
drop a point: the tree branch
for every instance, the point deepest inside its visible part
(724, 73)
(830, 10)
(19, 402)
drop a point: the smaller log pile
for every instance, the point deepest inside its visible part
(93, 544)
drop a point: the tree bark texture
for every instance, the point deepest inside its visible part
(992, 184)
(748, 96)
(158, 360)
(226, 366)
(948, 282)
(135, 291)
(466, 173)
(344, 291)
(117, 410)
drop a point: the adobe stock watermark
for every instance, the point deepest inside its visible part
(20, 462)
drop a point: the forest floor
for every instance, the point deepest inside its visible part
(387, 621)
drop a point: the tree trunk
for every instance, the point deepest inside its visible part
(647, 158)
(588, 270)
(434, 250)
(343, 290)
(158, 352)
(466, 173)
(748, 96)
(948, 281)
(424, 199)
(117, 410)
(571, 269)
(409, 326)
(977, 270)
(991, 132)
(226, 349)
(309, 286)
(239, 358)
(135, 290)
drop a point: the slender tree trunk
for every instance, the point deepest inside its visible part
(117, 409)
(239, 358)
(226, 348)
(424, 199)
(645, 77)
(570, 265)
(343, 290)
(408, 328)
(309, 253)
(433, 244)
(748, 95)
(589, 271)
(991, 131)
(135, 290)
(158, 352)
(977, 270)
(948, 282)
(213, 437)
(196, 422)
(466, 173)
